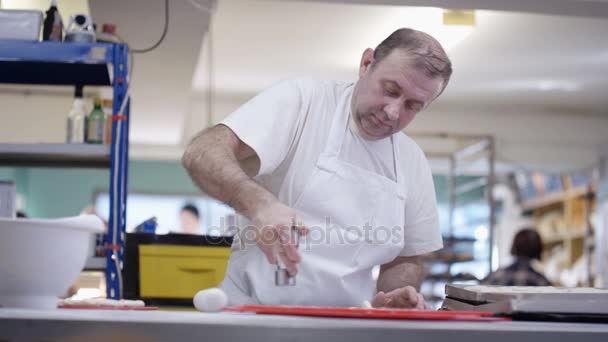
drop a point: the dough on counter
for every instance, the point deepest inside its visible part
(366, 304)
(210, 300)
(102, 302)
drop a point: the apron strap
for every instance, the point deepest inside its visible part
(339, 124)
(338, 129)
(397, 165)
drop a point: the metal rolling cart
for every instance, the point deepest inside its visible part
(479, 153)
(460, 156)
(78, 64)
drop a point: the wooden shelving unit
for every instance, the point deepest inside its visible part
(562, 219)
(556, 198)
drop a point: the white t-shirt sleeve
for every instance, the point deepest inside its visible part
(268, 123)
(422, 233)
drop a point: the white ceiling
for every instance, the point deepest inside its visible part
(162, 78)
(510, 58)
(515, 75)
(584, 8)
(535, 81)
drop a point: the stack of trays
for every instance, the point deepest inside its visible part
(531, 302)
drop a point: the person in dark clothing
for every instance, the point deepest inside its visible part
(527, 246)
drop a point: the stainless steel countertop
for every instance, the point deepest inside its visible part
(113, 325)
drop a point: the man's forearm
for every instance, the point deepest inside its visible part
(401, 272)
(215, 169)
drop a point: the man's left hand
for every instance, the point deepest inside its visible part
(403, 297)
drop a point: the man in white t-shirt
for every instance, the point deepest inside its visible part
(332, 156)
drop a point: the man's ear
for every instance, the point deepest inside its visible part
(366, 61)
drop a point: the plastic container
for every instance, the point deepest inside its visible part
(76, 121)
(96, 127)
(40, 259)
(108, 34)
(107, 109)
(20, 25)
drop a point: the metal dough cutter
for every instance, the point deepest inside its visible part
(281, 275)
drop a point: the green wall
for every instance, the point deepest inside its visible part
(441, 189)
(6, 173)
(50, 192)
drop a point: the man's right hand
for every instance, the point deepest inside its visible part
(222, 166)
(273, 224)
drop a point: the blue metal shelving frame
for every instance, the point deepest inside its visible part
(85, 64)
(119, 162)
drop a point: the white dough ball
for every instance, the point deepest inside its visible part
(210, 300)
(366, 304)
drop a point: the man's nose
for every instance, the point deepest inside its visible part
(392, 110)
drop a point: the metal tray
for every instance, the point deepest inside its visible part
(479, 294)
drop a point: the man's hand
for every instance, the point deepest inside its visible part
(404, 297)
(222, 166)
(273, 226)
(397, 284)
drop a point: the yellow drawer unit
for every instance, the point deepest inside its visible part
(172, 271)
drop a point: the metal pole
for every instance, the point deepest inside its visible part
(451, 201)
(588, 236)
(490, 198)
(118, 173)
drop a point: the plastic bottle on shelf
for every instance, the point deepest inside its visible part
(107, 109)
(96, 127)
(76, 119)
(53, 25)
(108, 34)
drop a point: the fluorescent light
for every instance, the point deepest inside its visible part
(544, 85)
(557, 85)
(459, 17)
(450, 36)
(425, 19)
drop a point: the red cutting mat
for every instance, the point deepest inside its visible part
(403, 314)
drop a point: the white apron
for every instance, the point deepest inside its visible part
(355, 218)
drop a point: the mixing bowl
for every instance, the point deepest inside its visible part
(41, 258)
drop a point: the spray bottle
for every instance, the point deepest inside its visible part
(53, 25)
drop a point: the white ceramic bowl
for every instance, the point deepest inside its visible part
(40, 259)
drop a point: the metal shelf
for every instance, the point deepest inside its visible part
(449, 261)
(56, 63)
(458, 239)
(79, 64)
(555, 198)
(451, 277)
(55, 155)
(578, 233)
(95, 264)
